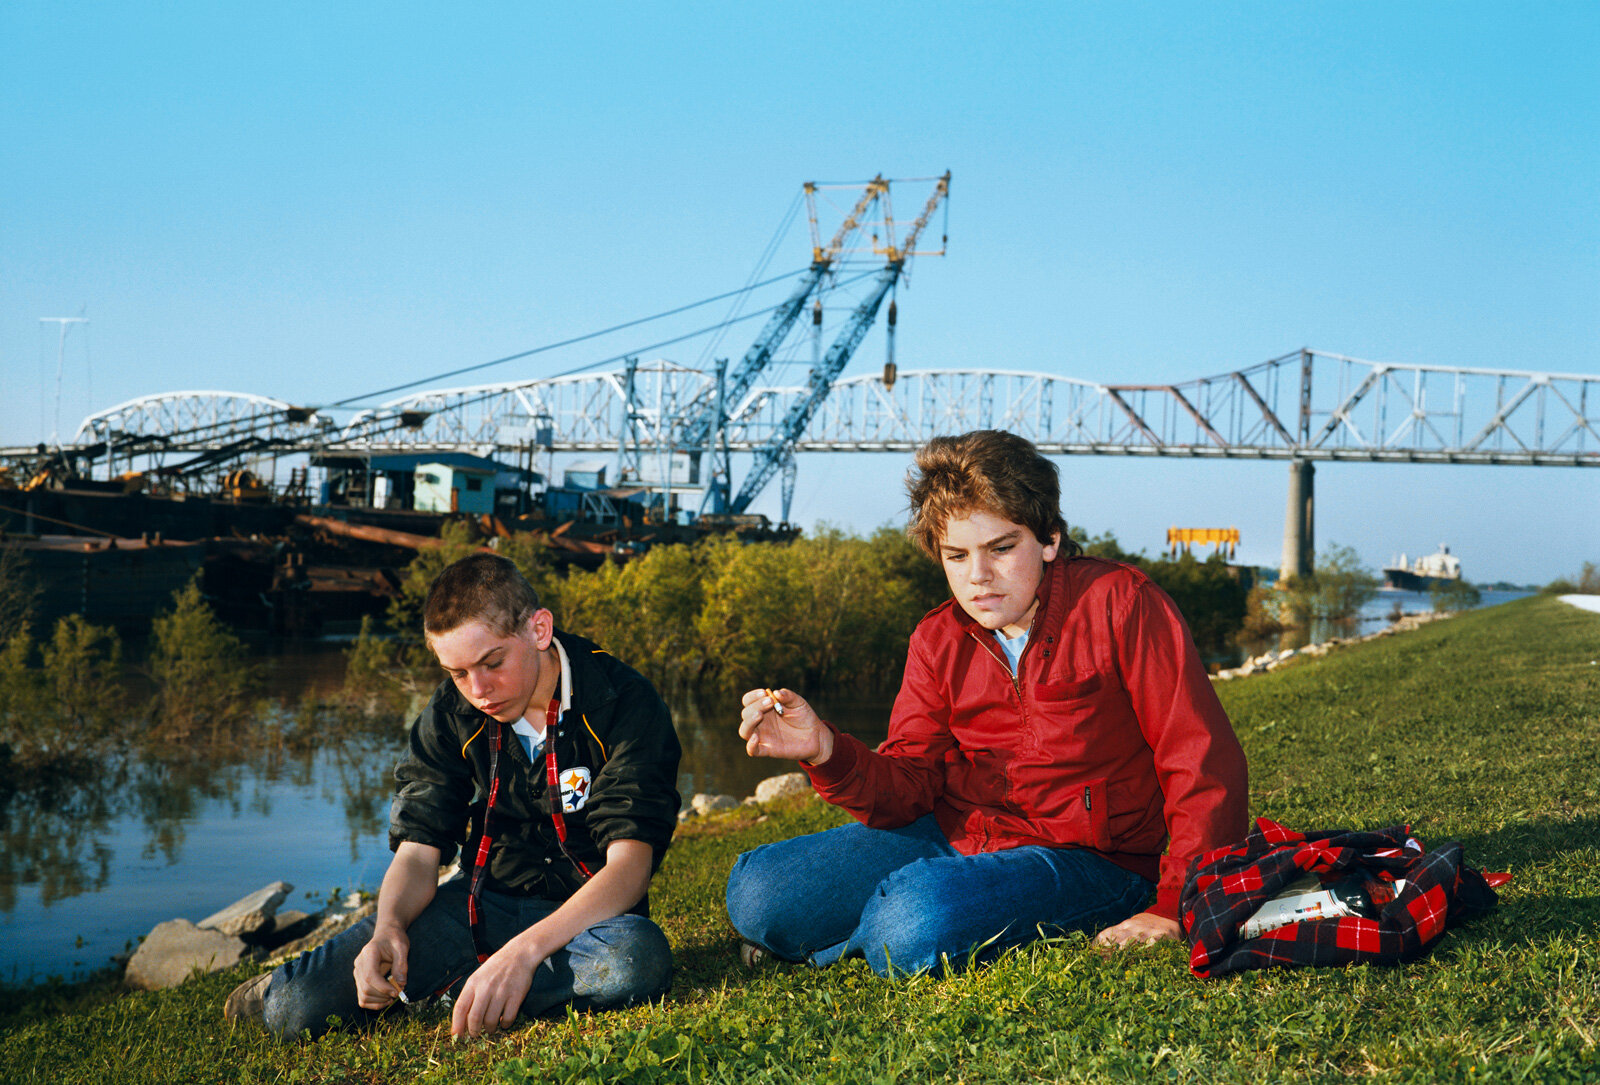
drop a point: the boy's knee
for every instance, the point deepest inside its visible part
(629, 960)
(288, 1013)
(747, 893)
(910, 926)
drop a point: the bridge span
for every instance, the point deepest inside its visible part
(1303, 407)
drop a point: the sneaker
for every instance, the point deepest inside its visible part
(752, 955)
(247, 1002)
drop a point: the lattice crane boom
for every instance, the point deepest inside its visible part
(778, 326)
(779, 448)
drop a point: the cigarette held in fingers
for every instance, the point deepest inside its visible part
(399, 991)
(777, 705)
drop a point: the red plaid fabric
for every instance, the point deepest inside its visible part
(1226, 886)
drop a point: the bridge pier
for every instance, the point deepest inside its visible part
(1299, 550)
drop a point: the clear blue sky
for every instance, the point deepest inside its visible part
(316, 201)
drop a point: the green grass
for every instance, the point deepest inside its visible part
(1482, 728)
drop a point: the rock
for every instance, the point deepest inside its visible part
(173, 951)
(285, 927)
(778, 787)
(325, 930)
(707, 804)
(249, 914)
(685, 813)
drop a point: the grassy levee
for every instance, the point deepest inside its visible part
(1482, 728)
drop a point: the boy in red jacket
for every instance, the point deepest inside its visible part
(1055, 753)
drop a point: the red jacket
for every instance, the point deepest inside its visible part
(1109, 737)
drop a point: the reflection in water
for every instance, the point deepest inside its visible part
(97, 851)
(52, 842)
(54, 829)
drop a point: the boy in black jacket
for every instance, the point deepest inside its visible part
(561, 764)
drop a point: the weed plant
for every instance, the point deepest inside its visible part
(1480, 728)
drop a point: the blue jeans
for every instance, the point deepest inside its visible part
(613, 963)
(909, 902)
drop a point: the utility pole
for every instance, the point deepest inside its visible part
(61, 355)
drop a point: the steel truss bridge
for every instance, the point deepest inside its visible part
(1305, 406)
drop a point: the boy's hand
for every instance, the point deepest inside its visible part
(795, 732)
(1144, 927)
(382, 957)
(492, 996)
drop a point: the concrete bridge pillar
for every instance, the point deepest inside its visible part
(1299, 549)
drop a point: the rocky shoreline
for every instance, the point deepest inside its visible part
(1271, 661)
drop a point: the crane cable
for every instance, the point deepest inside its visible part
(491, 392)
(761, 266)
(569, 342)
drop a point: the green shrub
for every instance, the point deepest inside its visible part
(1453, 595)
(19, 590)
(82, 666)
(198, 666)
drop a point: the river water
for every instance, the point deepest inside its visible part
(90, 865)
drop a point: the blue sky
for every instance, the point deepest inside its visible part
(315, 201)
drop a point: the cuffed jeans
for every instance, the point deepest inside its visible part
(613, 963)
(908, 902)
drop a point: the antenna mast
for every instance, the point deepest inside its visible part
(61, 355)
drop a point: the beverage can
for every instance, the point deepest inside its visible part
(1308, 898)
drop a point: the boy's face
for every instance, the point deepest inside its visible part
(499, 675)
(994, 567)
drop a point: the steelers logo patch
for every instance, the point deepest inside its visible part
(574, 789)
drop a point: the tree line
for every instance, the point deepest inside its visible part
(824, 612)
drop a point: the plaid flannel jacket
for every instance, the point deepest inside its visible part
(1227, 885)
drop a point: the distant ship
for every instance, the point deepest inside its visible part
(1424, 573)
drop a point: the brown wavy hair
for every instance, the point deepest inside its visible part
(483, 588)
(987, 470)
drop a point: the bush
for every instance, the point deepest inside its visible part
(21, 690)
(198, 667)
(82, 663)
(643, 611)
(18, 592)
(1454, 595)
(69, 697)
(1210, 596)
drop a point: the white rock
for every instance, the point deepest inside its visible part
(777, 787)
(248, 914)
(706, 804)
(175, 949)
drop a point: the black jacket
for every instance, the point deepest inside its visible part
(618, 729)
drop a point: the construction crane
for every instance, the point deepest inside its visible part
(778, 451)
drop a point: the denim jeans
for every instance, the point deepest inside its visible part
(613, 963)
(909, 902)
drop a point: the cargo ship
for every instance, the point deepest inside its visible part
(1424, 573)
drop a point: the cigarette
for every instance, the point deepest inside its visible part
(777, 705)
(399, 991)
